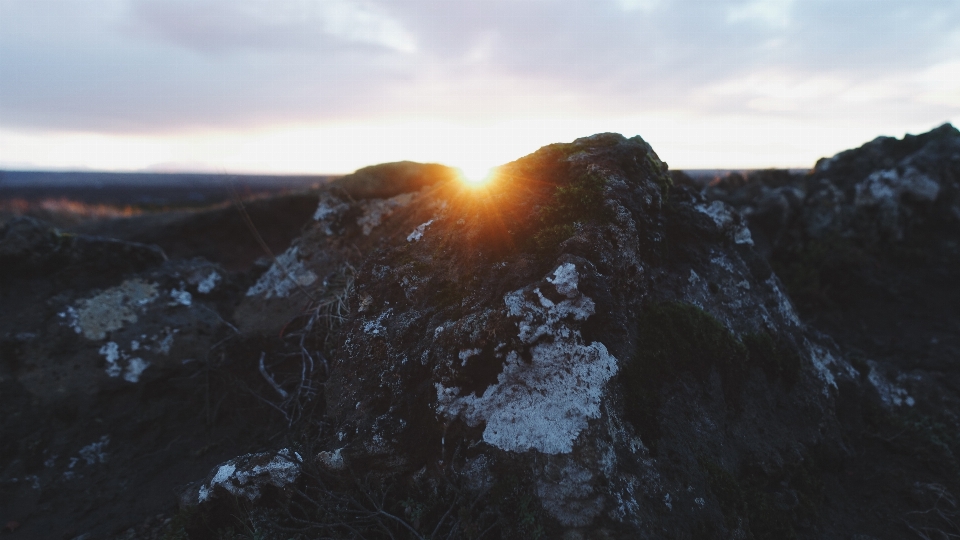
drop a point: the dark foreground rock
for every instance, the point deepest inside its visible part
(108, 394)
(582, 348)
(867, 246)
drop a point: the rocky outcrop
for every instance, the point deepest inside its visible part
(879, 194)
(112, 372)
(867, 247)
(577, 348)
(583, 347)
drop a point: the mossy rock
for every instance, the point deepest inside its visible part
(577, 202)
(391, 179)
(676, 339)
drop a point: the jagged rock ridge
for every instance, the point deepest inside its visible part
(579, 349)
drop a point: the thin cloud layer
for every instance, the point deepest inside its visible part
(177, 66)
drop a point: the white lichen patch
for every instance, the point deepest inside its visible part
(332, 460)
(565, 279)
(885, 187)
(784, 306)
(466, 354)
(743, 236)
(544, 403)
(328, 211)
(722, 261)
(377, 210)
(287, 274)
(891, 394)
(133, 367)
(95, 452)
(180, 297)
(208, 283)
(723, 216)
(718, 211)
(112, 353)
(376, 327)
(164, 345)
(822, 359)
(246, 475)
(110, 310)
(417, 233)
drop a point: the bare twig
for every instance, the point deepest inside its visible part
(263, 371)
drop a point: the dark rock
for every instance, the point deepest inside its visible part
(112, 376)
(233, 236)
(866, 245)
(501, 335)
(390, 179)
(589, 346)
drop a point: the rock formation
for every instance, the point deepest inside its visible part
(580, 348)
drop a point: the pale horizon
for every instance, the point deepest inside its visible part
(324, 87)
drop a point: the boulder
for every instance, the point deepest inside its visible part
(587, 346)
(109, 354)
(576, 348)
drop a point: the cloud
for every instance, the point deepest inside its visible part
(226, 25)
(774, 13)
(148, 66)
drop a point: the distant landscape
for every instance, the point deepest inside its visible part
(147, 190)
(144, 191)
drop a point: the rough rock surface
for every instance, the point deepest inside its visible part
(115, 381)
(586, 347)
(509, 337)
(868, 246)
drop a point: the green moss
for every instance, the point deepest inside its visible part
(659, 173)
(550, 237)
(579, 201)
(674, 339)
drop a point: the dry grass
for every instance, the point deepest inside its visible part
(62, 211)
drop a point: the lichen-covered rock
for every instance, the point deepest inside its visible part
(868, 247)
(503, 329)
(889, 186)
(108, 356)
(247, 476)
(588, 346)
(388, 180)
(346, 225)
(879, 194)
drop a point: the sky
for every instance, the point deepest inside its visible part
(328, 86)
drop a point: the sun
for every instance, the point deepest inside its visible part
(475, 176)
